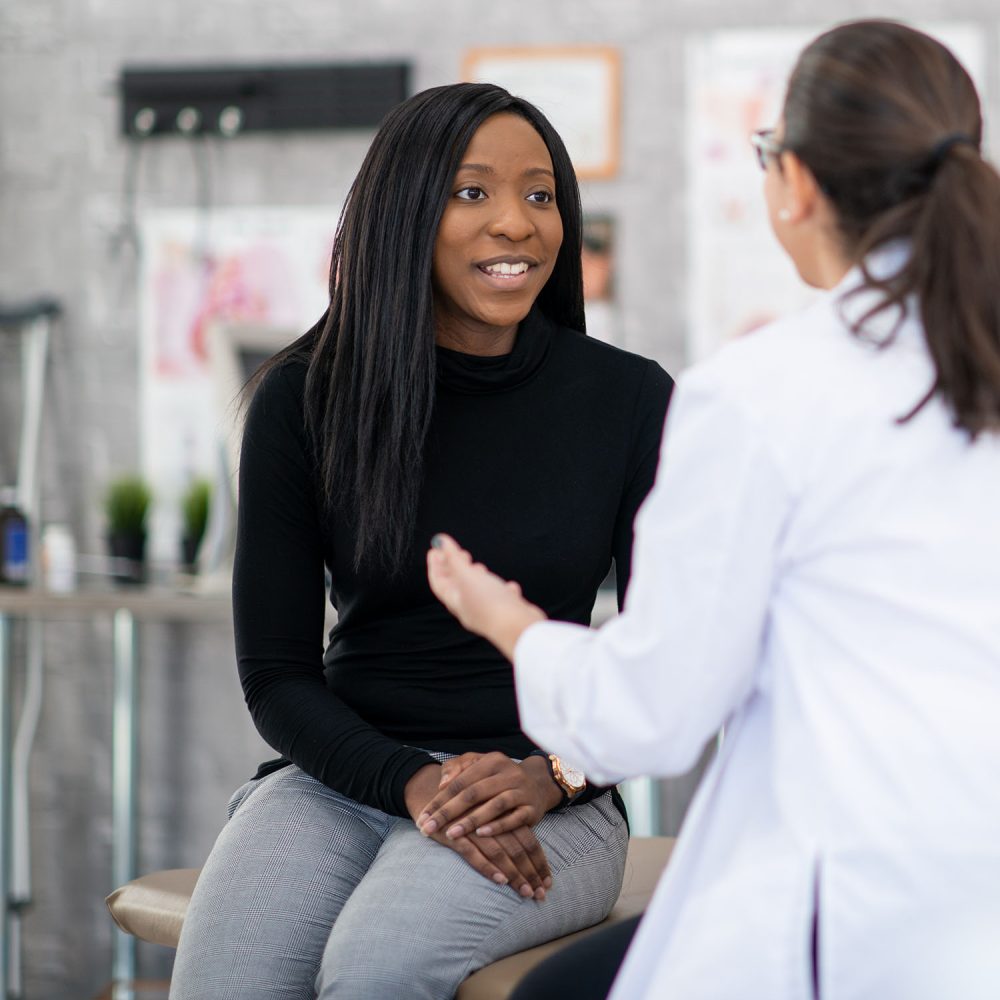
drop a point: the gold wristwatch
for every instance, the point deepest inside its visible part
(570, 779)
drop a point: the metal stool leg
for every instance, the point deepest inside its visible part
(5, 799)
(642, 800)
(123, 780)
(20, 824)
(32, 322)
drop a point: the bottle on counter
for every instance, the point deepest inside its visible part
(14, 561)
(58, 558)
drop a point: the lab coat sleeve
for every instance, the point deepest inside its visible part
(645, 692)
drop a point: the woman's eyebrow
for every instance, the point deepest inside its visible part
(485, 168)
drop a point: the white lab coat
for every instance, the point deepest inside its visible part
(826, 583)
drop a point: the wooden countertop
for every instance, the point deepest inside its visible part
(144, 602)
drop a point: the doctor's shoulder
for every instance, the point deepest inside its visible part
(793, 364)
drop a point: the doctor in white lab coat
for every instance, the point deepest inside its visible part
(817, 569)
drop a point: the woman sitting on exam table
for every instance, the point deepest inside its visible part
(449, 385)
(817, 568)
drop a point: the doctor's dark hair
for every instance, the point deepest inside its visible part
(372, 365)
(889, 123)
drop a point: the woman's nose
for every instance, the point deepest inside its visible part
(511, 219)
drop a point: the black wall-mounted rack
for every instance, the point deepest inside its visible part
(235, 99)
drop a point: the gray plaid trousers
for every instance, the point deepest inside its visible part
(308, 893)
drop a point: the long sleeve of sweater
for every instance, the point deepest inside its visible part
(278, 606)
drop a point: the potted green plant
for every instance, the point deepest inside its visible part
(126, 503)
(195, 506)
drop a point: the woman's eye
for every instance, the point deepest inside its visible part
(541, 197)
(470, 194)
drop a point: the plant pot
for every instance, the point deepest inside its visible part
(128, 556)
(189, 554)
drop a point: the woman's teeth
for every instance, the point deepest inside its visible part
(504, 268)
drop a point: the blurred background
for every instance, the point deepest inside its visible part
(177, 231)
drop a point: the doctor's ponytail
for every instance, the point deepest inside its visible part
(889, 123)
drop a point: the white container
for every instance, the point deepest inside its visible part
(58, 558)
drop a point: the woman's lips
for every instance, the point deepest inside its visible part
(506, 275)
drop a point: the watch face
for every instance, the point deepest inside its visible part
(572, 778)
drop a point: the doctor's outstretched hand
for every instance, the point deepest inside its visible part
(482, 601)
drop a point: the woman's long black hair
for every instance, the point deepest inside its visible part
(370, 383)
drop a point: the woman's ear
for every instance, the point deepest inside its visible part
(801, 194)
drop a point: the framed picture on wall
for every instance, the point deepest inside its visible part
(577, 87)
(598, 259)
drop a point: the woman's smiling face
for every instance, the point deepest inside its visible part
(498, 239)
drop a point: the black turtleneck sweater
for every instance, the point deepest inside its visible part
(536, 462)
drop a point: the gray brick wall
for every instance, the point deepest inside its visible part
(61, 177)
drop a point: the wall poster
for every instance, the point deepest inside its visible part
(265, 267)
(739, 278)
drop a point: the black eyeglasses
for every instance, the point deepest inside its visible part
(765, 146)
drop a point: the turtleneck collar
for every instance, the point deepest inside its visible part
(474, 375)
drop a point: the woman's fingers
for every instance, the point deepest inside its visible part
(521, 816)
(527, 855)
(524, 857)
(499, 803)
(526, 836)
(471, 804)
(521, 875)
(478, 860)
(472, 768)
(453, 767)
(485, 790)
(514, 859)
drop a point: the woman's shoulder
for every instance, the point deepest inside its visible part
(282, 382)
(276, 404)
(611, 364)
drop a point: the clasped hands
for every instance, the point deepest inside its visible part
(483, 806)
